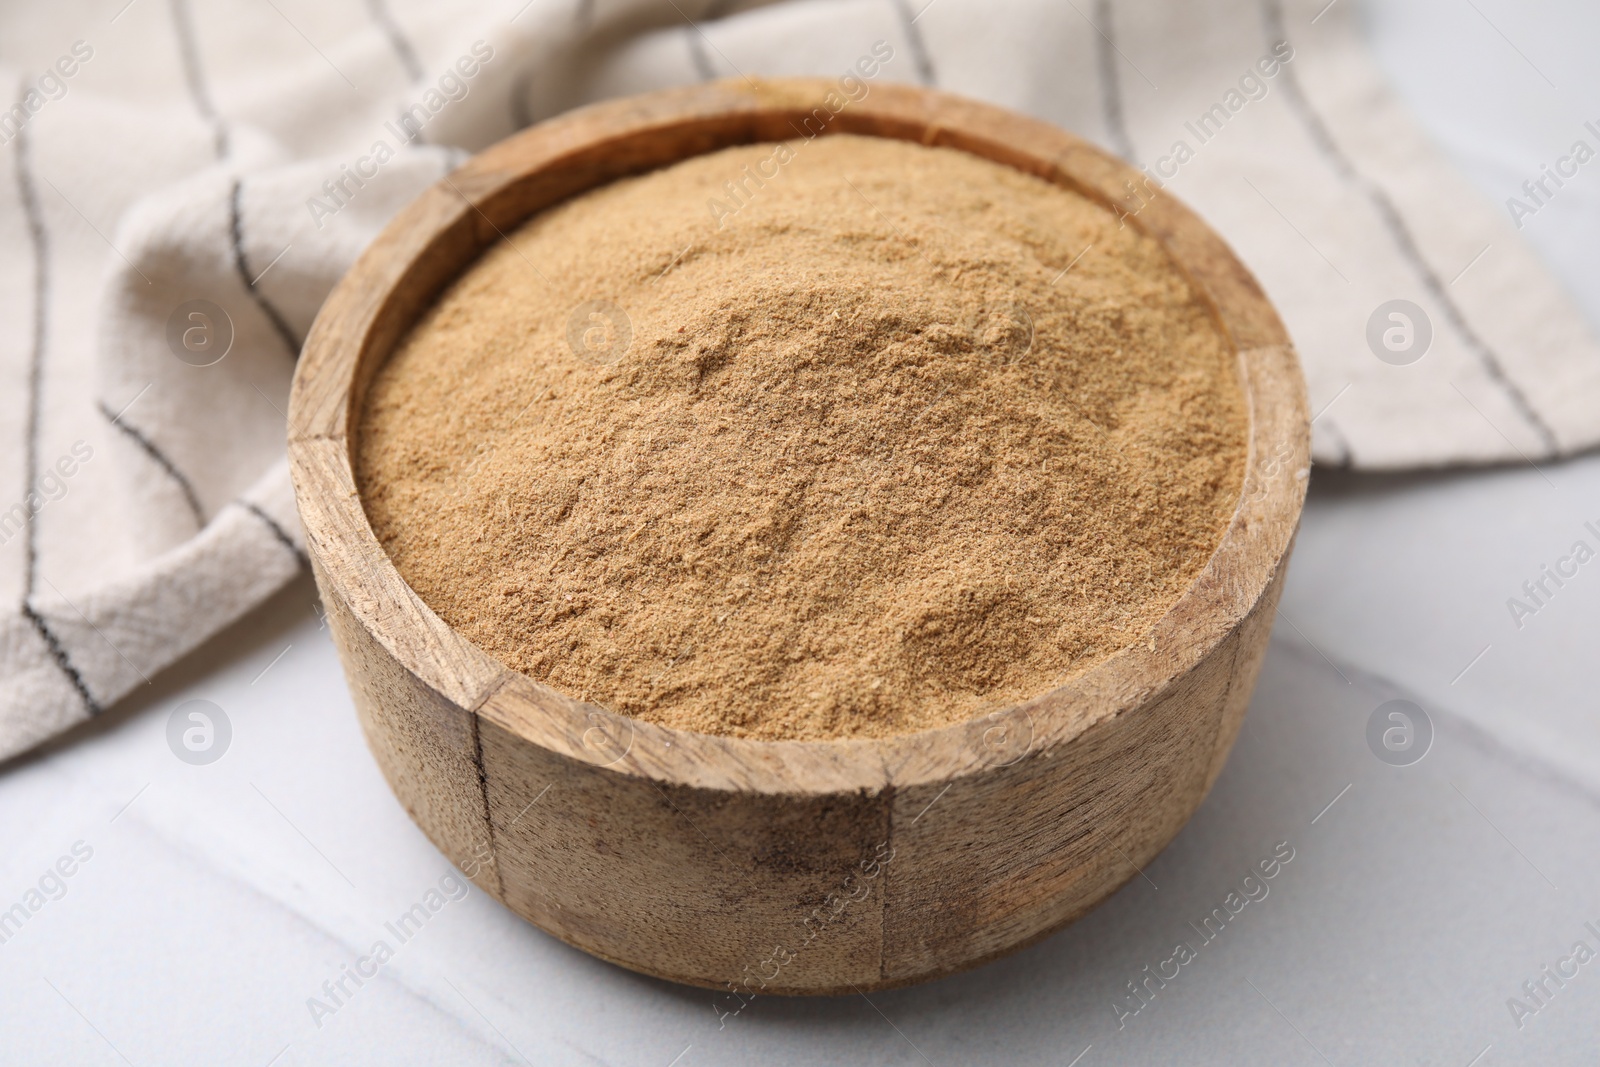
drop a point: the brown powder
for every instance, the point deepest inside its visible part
(908, 437)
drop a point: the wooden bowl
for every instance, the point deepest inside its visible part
(785, 867)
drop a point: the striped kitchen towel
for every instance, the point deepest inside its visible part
(183, 183)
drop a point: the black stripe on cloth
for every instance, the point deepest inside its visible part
(149, 448)
(1322, 137)
(236, 236)
(277, 531)
(37, 238)
(1105, 55)
(521, 113)
(696, 38)
(39, 241)
(189, 54)
(379, 10)
(920, 56)
(414, 136)
(1346, 457)
(59, 654)
(697, 53)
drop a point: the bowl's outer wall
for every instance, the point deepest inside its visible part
(802, 894)
(788, 868)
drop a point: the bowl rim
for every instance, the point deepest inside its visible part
(429, 242)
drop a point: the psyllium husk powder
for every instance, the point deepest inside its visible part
(879, 439)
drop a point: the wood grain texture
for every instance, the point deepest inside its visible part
(786, 867)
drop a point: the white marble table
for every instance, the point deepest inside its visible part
(207, 903)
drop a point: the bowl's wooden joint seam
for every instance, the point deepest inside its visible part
(483, 793)
(483, 776)
(888, 874)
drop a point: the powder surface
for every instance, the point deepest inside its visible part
(891, 440)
